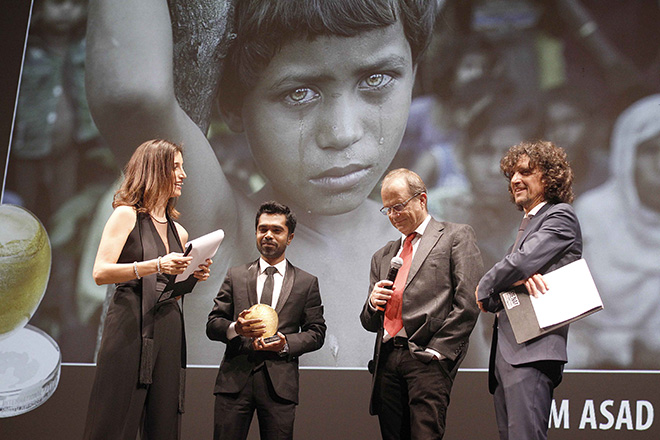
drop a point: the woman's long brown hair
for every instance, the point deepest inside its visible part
(149, 178)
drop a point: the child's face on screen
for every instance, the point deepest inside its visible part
(61, 16)
(327, 116)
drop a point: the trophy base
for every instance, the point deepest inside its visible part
(270, 339)
(31, 361)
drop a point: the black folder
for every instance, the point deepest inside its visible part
(520, 310)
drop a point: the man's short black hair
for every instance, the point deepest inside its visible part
(273, 207)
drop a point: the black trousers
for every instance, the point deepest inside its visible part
(413, 396)
(118, 406)
(234, 412)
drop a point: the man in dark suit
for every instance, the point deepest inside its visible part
(423, 335)
(522, 377)
(257, 373)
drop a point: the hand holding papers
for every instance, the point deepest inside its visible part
(200, 249)
(572, 295)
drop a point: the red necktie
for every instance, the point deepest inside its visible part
(393, 322)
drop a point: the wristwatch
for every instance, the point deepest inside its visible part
(285, 350)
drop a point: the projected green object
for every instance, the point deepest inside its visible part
(30, 360)
(25, 260)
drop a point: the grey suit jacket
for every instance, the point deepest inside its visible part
(300, 313)
(551, 240)
(438, 311)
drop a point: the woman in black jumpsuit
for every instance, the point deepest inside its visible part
(141, 363)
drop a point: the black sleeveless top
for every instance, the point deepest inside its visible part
(144, 243)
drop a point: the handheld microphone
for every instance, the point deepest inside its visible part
(395, 265)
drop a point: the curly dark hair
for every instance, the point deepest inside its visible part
(557, 175)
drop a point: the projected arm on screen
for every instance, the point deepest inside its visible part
(130, 87)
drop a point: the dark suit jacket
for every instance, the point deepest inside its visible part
(300, 319)
(551, 240)
(438, 311)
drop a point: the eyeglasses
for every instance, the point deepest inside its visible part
(398, 207)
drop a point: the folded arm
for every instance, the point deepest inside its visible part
(556, 234)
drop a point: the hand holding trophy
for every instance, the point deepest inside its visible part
(258, 322)
(267, 316)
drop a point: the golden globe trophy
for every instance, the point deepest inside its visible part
(268, 317)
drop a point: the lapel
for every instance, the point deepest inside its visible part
(287, 285)
(429, 239)
(534, 222)
(252, 273)
(149, 299)
(150, 250)
(387, 257)
(173, 238)
(150, 238)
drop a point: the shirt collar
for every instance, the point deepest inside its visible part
(421, 228)
(281, 266)
(535, 209)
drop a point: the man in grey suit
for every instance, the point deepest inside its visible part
(257, 373)
(522, 377)
(422, 336)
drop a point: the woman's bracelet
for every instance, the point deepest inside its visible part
(136, 270)
(158, 265)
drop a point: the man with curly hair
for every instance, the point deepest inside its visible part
(522, 377)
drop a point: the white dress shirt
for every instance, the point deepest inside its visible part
(278, 280)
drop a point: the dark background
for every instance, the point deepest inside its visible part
(13, 26)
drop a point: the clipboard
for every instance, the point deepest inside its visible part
(572, 295)
(199, 249)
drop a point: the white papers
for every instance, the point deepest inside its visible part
(201, 248)
(572, 293)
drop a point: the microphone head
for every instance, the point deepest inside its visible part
(396, 262)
